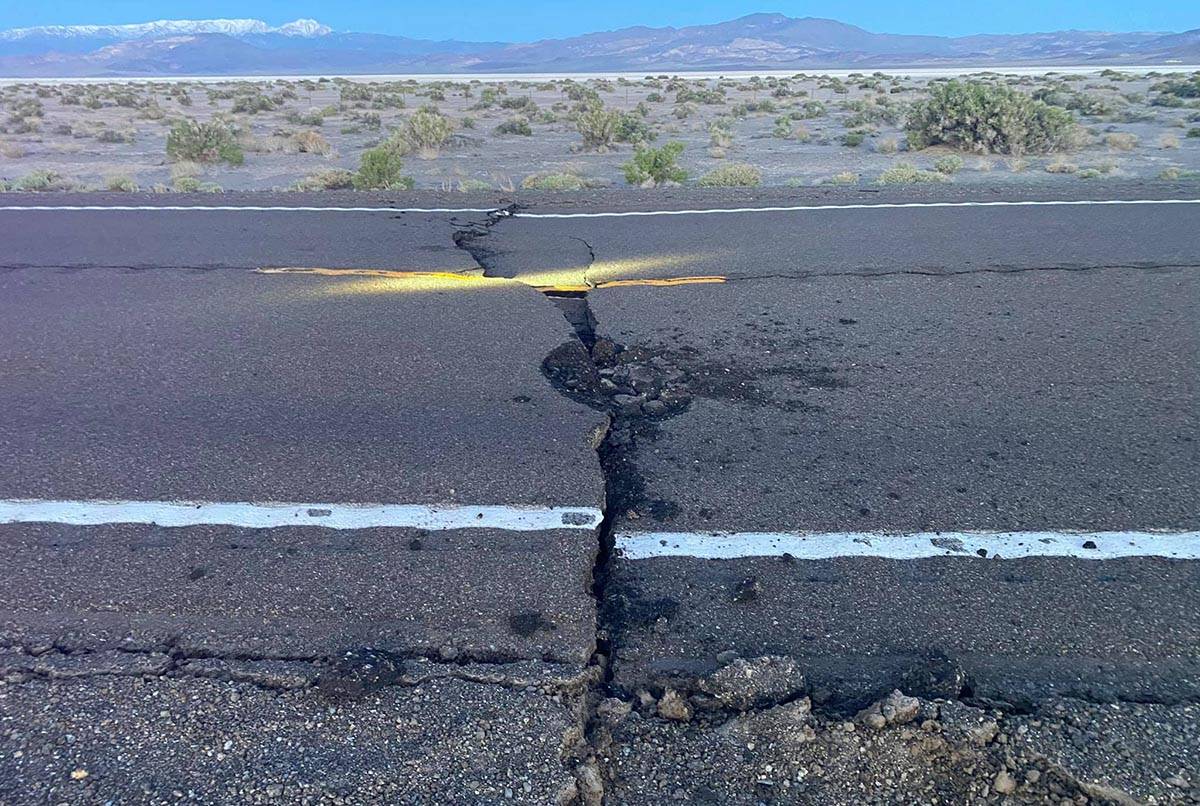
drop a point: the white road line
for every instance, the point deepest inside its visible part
(829, 545)
(881, 206)
(811, 208)
(185, 208)
(269, 515)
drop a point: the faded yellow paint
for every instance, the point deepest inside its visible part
(383, 281)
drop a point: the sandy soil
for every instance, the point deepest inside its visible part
(113, 136)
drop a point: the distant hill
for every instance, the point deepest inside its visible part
(757, 41)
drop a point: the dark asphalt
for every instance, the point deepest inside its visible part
(899, 369)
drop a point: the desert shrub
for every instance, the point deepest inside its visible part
(720, 133)
(949, 164)
(598, 126)
(1168, 140)
(853, 139)
(121, 184)
(1173, 173)
(1121, 141)
(1061, 166)
(888, 145)
(427, 131)
(523, 104)
(518, 124)
(1194, 131)
(904, 173)
(43, 181)
(381, 169)
(335, 179)
(370, 120)
(310, 142)
(203, 142)
(553, 181)
(734, 174)
(843, 178)
(1179, 88)
(115, 136)
(312, 117)
(632, 128)
(655, 166)
(988, 118)
(473, 185)
(252, 104)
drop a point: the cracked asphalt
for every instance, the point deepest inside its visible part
(880, 370)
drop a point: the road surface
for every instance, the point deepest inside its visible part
(303, 499)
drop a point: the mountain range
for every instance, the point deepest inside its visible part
(757, 41)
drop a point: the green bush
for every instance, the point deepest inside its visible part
(252, 104)
(655, 165)
(334, 179)
(121, 184)
(42, 181)
(598, 126)
(553, 181)
(853, 139)
(381, 169)
(193, 141)
(427, 131)
(734, 174)
(634, 129)
(949, 164)
(519, 124)
(904, 173)
(989, 118)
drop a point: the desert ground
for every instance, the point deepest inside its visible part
(798, 131)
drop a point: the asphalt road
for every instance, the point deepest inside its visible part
(862, 374)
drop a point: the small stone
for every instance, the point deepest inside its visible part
(1178, 782)
(1004, 783)
(79, 774)
(898, 709)
(654, 408)
(674, 707)
(1032, 777)
(747, 590)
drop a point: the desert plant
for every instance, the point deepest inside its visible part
(843, 178)
(904, 173)
(655, 166)
(553, 181)
(1121, 141)
(988, 118)
(1061, 166)
(203, 142)
(734, 174)
(598, 126)
(949, 164)
(427, 131)
(121, 184)
(310, 142)
(43, 181)
(632, 128)
(381, 169)
(335, 179)
(252, 104)
(518, 124)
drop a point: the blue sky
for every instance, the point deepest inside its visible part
(517, 20)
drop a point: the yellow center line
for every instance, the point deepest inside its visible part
(455, 277)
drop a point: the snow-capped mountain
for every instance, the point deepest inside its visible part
(143, 30)
(756, 41)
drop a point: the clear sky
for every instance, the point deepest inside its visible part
(522, 20)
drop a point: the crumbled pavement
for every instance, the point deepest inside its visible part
(899, 750)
